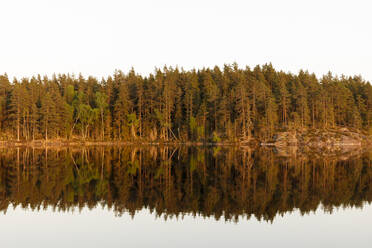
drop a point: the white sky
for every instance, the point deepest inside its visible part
(97, 37)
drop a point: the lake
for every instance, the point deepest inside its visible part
(179, 196)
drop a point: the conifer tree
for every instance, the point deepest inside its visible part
(17, 107)
(48, 115)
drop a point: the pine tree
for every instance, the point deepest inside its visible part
(4, 95)
(48, 115)
(101, 101)
(17, 107)
(122, 108)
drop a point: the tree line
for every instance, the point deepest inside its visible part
(223, 183)
(171, 104)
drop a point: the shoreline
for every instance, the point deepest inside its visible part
(256, 143)
(43, 143)
(314, 139)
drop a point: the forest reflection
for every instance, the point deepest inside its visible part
(221, 182)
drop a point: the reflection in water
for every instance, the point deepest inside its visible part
(227, 183)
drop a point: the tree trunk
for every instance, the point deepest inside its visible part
(18, 126)
(103, 127)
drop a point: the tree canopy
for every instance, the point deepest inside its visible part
(227, 104)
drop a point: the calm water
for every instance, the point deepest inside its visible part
(184, 197)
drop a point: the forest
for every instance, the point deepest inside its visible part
(174, 105)
(223, 183)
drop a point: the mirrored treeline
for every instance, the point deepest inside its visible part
(221, 182)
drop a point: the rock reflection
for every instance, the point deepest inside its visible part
(224, 183)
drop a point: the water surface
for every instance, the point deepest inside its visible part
(184, 197)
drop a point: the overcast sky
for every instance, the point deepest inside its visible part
(97, 37)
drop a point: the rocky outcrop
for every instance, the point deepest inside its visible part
(322, 139)
(285, 139)
(339, 153)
